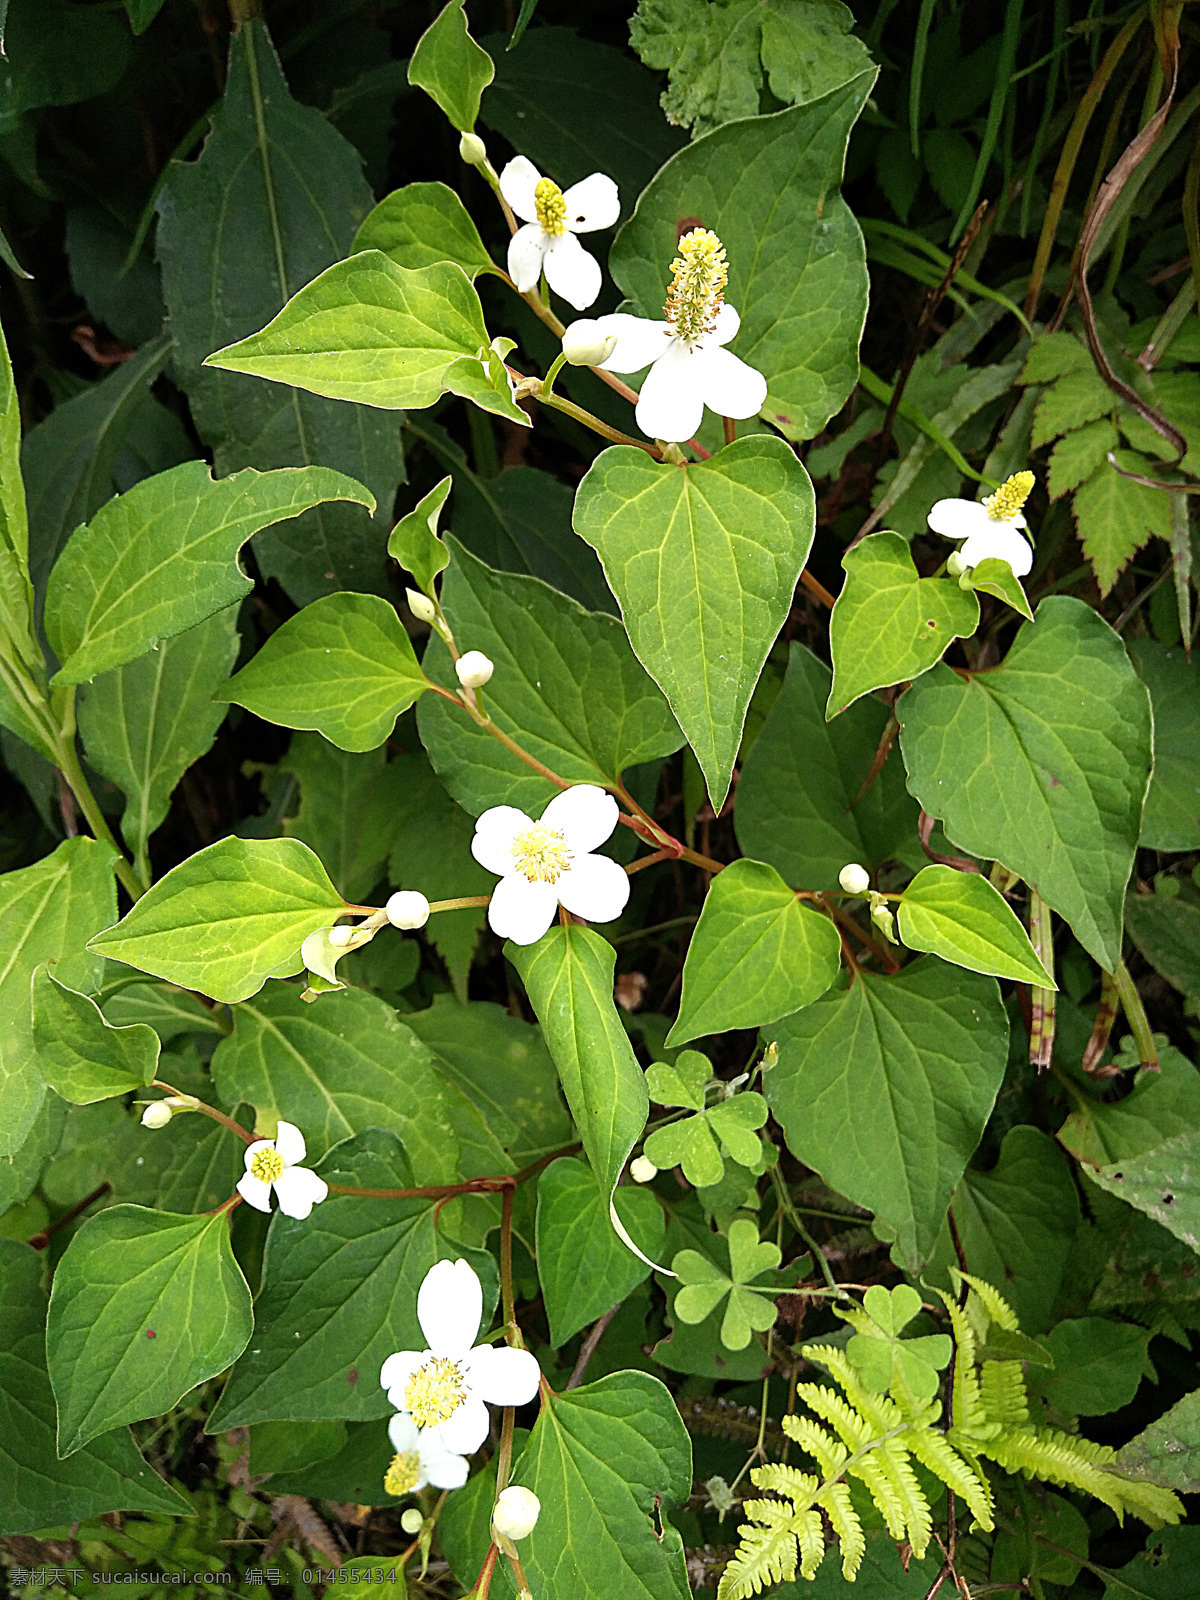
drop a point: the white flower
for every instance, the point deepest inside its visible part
(689, 365)
(642, 1169)
(407, 908)
(275, 1164)
(516, 1512)
(552, 219)
(444, 1388)
(854, 878)
(989, 527)
(549, 863)
(156, 1115)
(473, 669)
(584, 345)
(421, 1458)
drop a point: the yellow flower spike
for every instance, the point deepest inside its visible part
(550, 207)
(1009, 497)
(699, 274)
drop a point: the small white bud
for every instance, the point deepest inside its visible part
(642, 1169)
(584, 345)
(341, 936)
(954, 564)
(407, 908)
(474, 669)
(516, 1512)
(854, 879)
(472, 149)
(157, 1115)
(412, 1520)
(421, 606)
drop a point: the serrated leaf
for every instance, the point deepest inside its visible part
(583, 1268)
(757, 954)
(1164, 1182)
(888, 623)
(83, 1057)
(1057, 745)
(1171, 820)
(37, 1490)
(912, 1064)
(1079, 396)
(450, 66)
(704, 561)
(769, 178)
(962, 918)
(125, 1275)
(163, 557)
(227, 918)
(423, 223)
(1168, 1451)
(343, 666)
(1115, 516)
(1078, 454)
(415, 542)
(1054, 355)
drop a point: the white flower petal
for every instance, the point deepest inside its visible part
(956, 519)
(495, 831)
(504, 1377)
(397, 1370)
(255, 1192)
(450, 1307)
(728, 323)
(585, 813)
(1000, 542)
(404, 1433)
(595, 888)
(670, 406)
(289, 1141)
(640, 341)
(572, 272)
(465, 1431)
(520, 910)
(253, 1149)
(728, 385)
(526, 251)
(298, 1190)
(591, 204)
(444, 1469)
(517, 184)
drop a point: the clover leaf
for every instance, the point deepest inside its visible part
(693, 1143)
(885, 1361)
(705, 1285)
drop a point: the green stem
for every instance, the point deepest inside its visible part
(461, 904)
(1135, 1016)
(558, 402)
(793, 1216)
(208, 1111)
(68, 764)
(556, 367)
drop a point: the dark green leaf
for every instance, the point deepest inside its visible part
(1158, 1106)
(1164, 1182)
(83, 1057)
(1167, 932)
(1098, 1365)
(1171, 820)
(348, 810)
(1168, 1451)
(61, 53)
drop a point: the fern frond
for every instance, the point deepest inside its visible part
(872, 1472)
(880, 1411)
(1147, 1501)
(835, 1498)
(1047, 1454)
(827, 1403)
(918, 1518)
(765, 1555)
(810, 1536)
(1002, 1392)
(818, 1442)
(776, 1478)
(934, 1450)
(996, 1306)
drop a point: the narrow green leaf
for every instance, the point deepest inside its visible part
(1057, 745)
(704, 560)
(415, 542)
(37, 1490)
(888, 623)
(228, 918)
(962, 918)
(344, 666)
(423, 223)
(912, 1064)
(83, 1057)
(757, 954)
(1171, 820)
(450, 66)
(370, 331)
(145, 1305)
(158, 560)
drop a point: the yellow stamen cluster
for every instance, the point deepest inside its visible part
(1009, 497)
(266, 1165)
(541, 854)
(404, 1474)
(549, 207)
(699, 274)
(435, 1392)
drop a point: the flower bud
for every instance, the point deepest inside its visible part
(474, 669)
(157, 1115)
(407, 908)
(642, 1169)
(411, 1520)
(955, 565)
(516, 1512)
(854, 879)
(584, 345)
(340, 936)
(421, 606)
(472, 149)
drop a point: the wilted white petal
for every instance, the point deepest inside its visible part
(450, 1307)
(517, 184)
(503, 1376)
(397, 1370)
(520, 910)
(728, 323)
(639, 341)
(571, 271)
(255, 1192)
(495, 831)
(593, 203)
(728, 385)
(670, 406)
(465, 1431)
(595, 888)
(403, 1432)
(526, 250)
(956, 519)
(289, 1141)
(585, 813)
(298, 1190)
